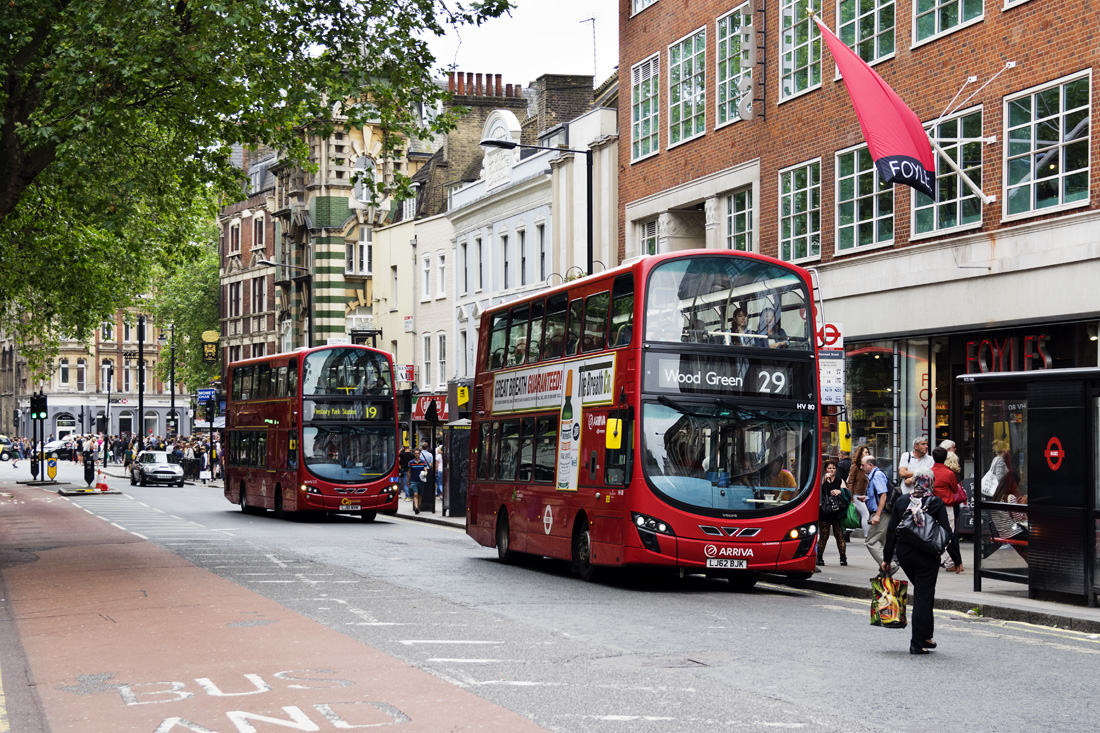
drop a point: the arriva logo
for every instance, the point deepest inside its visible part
(713, 551)
(597, 421)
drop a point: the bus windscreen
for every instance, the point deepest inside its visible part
(728, 301)
(346, 372)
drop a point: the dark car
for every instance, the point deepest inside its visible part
(156, 467)
(7, 450)
(63, 447)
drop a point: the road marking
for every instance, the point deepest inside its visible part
(3, 709)
(451, 660)
(411, 642)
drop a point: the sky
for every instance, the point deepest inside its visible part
(538, 37)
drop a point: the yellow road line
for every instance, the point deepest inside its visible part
(3, 708)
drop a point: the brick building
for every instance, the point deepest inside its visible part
(925, 290)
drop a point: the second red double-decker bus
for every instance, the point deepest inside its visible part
(663, 413)
(313, 431)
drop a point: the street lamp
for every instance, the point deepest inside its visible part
(308, 278)
(509, 145)
(171, 375)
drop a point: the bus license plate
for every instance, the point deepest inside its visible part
(733, 564)
(350, 508)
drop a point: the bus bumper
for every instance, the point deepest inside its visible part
(797, 556)
(354, 503)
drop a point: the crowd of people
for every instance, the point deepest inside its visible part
(201, 459)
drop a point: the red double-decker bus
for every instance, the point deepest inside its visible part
(663, 413)
(313, 431)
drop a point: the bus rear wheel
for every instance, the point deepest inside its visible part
(243, 501)
(279, 512)
(505, 553)
(582, 553)
(368, 516)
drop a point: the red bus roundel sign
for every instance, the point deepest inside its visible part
(1054, 453)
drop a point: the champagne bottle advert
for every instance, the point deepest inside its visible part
(569, 439)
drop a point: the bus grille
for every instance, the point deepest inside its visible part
(479, 400)
(342, 490)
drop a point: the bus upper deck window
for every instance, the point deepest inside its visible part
(595, 321)
(554, 341)
(292, 379)
(576, 312)
(498, 343)
(534, 342)
(622, 311)
(517, 336)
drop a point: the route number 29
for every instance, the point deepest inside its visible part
(771, 382)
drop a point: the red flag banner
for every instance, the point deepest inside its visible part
(895, 137)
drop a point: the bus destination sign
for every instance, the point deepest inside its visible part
(315, 410)
(700, 374)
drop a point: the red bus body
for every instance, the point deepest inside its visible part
(314, 430)
(707, 419)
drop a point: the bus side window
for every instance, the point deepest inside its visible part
(517, 336)
(617, 461)
(622, 311)
(292, 379)
(498, 343)
(576, 311)
(546, 448)
(237, 383)
(534, 343)
(246, 383)
(554, 342)
(526, 449)
(260, 454)
(595, 321)
(509, 451)
(262, 381)
(280, 387)
(483, 449)
(273, 383)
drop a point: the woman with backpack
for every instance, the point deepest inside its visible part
(920, 562)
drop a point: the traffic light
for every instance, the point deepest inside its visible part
(100, 423)
(15, 420)
(38, 406)
(210, 411)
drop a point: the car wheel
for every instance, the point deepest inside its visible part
(143, 482)
(5, 456)
(133, 481)
(180, 485)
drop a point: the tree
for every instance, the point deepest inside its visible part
(187, 298)
(118, 119)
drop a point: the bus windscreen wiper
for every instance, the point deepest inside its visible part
(669, 402)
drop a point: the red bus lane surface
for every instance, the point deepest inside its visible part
(121, 635)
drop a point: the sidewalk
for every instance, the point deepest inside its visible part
(998, 599)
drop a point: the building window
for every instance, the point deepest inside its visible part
(739, 220)
(258, 241)
(522, 234)
(958, 205)
(63, 373)
(732, 64)
(504, 257)
(235, 353)
(800, 48)
(108, 331)
(442, 351)
(127, 331)
(800, 212)
(235, 237)
(81, 375)
(106, 374)
(480, 266)
(938, 16)
(366, 250)
(441, 266)
(425, 277)
(465, 255)
(867, 27)
(127, 378)
(864, 204)
(408, 208)
(393, 287)
(258, 350)
(687, 98)
(1048, 147)
(640, 5)
(462, 357)
(649, 237)
(644, 115)
(234, 300)
(259, 302)
(541, 230)
(349, 258)
(426, 368)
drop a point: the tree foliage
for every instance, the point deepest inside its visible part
(118, 119)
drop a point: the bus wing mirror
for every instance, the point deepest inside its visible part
(614, 437)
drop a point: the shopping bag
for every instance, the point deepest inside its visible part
(204, 475)
(889, 598)
(850, 519)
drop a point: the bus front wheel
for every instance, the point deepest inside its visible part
(504, 540)
(741, 580)
(279, 512)
(368, 516)
(582, 552)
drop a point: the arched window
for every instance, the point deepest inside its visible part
(63, 373)
(81, 375)
(152, 423)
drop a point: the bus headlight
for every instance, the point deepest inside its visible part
(805, 534)
(648, 528)
(311, 490)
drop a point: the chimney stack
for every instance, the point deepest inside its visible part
(470, 89)
(461, 85)
(450, 81)
(479, 90)
(498, 89)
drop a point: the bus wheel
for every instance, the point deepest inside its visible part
(743, 579)
(582, 553)
(368, 516)
(504, 540)
(243, 501)
(279, 513)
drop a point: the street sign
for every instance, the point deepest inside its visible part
(831, 372)
(51, 467)
(205, 394)
(209, 353)
(831, 336)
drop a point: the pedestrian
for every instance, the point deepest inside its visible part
(833, 485)
(439, 470)
(418, 477)
(913, 460)
(1010, 525)
(921, 567)
(857, 487)
(404, 458)
(952, 460)
(844, 465)
(876, 504)
(946, 486)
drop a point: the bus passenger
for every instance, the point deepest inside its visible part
(770, 327)
(518, 355)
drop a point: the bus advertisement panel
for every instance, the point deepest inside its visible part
(691, 442)
(325, 442)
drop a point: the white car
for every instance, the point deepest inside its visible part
(156, 467)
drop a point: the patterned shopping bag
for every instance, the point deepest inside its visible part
(889, 598)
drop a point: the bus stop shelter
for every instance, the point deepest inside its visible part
(1037, 480)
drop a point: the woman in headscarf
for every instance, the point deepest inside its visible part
(920, 566)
